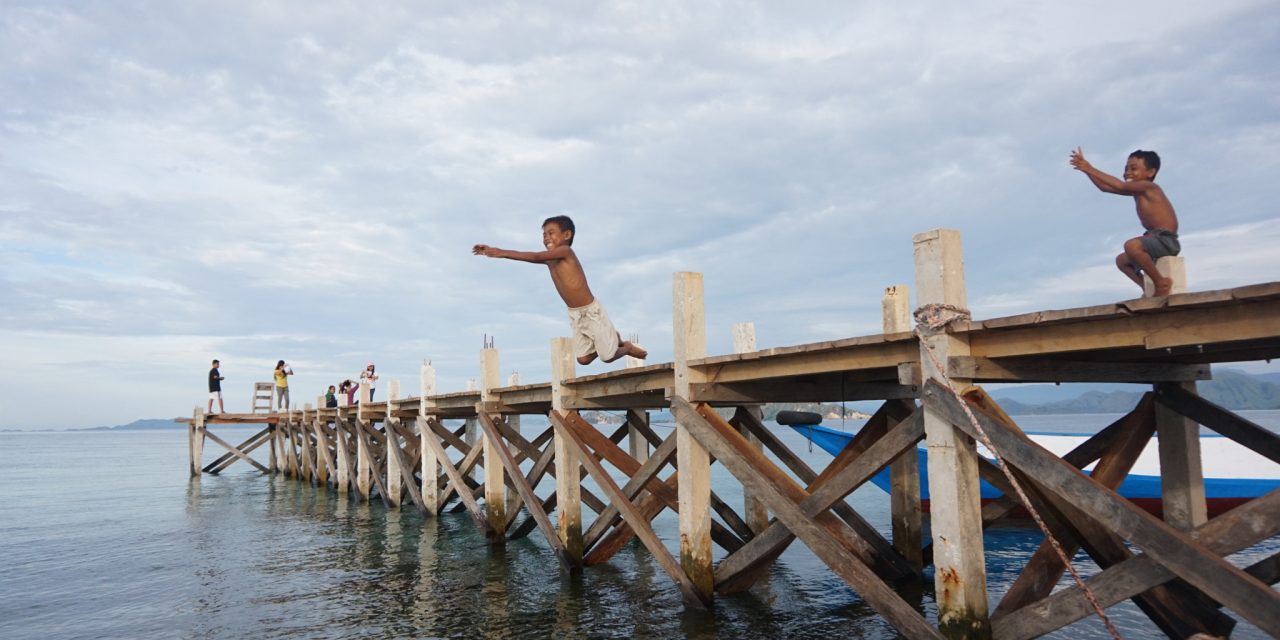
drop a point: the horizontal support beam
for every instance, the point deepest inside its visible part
(823, 389)
(1048, 370)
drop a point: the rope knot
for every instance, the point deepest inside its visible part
(932, 318)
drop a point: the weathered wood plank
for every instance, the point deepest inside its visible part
(571, 564)
(638, 523)
(784, 497)
(1190, 560)
(1232, 531)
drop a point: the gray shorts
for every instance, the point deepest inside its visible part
(1159, 243)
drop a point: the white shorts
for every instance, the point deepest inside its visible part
(215, 395)
(593, 332)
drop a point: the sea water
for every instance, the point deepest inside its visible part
(103, 535)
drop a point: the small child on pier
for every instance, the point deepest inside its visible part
(593, 332)
(1155, 212)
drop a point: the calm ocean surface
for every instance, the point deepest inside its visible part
(102, 535)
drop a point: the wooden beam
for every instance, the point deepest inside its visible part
(504, 457)
(1050, 370)
(252, 442)
(457, 484)
(784, 498)
(236, 451)
(807, 389)
(568, 480)
(1181, 471)
(1190, 560)
(691, 593)
(1256, 438)
(1233, 531)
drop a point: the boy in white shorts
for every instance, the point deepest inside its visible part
(593, 332)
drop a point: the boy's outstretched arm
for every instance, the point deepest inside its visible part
(539, 257)
(1105, 181)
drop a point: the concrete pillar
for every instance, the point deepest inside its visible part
(689, 329)
(430, 465)
(568, 468)
(1169, 266)
(960, 575)
(495, 488)
(1181, 474)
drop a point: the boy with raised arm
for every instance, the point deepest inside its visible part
(593, 332)
(1154, 212)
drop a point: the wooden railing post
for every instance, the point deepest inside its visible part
(495, 488)
(960, 575)
(430, 466)
(568, 467)
(755, 513)
(689, 329)
(904, 471)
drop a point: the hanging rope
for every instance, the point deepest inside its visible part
(934, 318)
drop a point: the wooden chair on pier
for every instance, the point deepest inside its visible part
(262, 394)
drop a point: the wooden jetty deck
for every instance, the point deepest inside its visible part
(928, 373)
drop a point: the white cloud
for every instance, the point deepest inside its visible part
(310, 188)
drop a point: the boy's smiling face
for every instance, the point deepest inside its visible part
(553, 236)
(1136, 169)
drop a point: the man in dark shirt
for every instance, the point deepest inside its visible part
(215, 388)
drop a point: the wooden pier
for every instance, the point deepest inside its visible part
(928, 374)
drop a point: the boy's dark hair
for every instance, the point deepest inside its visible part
(1148, 158)
(215, 363)
(564, 223)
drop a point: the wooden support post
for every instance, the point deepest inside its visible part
(364, 471)
(1181, 475)
(273, 464)
(195, 441)
(904, 471)
(513, 421)
(637, 443)
(756, 514)
(308, 465)
(1170, 267)
(960, 575)
(395, 482)
(689, 330)
(340, 446)
(568, 467)
(495, 488)
(429, 463)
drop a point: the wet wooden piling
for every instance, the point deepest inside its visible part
(403, 453)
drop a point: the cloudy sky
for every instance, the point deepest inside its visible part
(256, 181)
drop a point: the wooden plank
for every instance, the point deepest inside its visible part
(1052, 370)
(784, 497)
(1258, 439)
(1190, 560)
(508, 462)
(614, 455)
(1234, 530)
(638, 524)
(739, 570)
(805, 389)
(236, 451)
(635, 484)
(456, 482)
(889, 563)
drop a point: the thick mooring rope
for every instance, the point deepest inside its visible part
(930, 320)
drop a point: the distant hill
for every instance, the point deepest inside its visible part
(1230, 388)
(146, 424)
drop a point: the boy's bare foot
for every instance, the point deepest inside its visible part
(1163, 286)
(638, 352)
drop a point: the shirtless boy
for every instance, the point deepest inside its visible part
(593, 332)
(1154, 212)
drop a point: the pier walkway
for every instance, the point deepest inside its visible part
(928, 372)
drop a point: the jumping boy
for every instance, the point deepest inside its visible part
(593, 332)
(1154, 212)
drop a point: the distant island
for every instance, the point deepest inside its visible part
(1231, 388)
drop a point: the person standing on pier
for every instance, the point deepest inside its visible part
(593, 332)
(283, 371)
(215, 388)
(368, 375)
(1155, 212)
